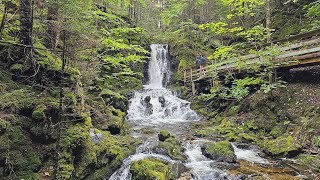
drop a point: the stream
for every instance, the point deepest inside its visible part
(157, 108)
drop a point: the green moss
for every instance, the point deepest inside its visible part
(72, 98)
(173, 148)
(205, 132)
(115, 99)
(316, 141)
(313, 161)
(3, 125)
(220, 151)
(17, 99)
(276, 131)
(16, 67)
(16, 147)
(150, 169)
(284, 145)
(39, 112)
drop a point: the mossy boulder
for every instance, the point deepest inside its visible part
(285, 145)
(220, 151)
(171, 147)
(150, 169)
(39, 113)
(163, 135)
(24, 157)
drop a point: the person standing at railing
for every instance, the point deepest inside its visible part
(202, 62)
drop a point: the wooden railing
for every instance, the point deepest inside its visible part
(301, 53)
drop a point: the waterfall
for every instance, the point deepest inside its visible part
(159, 67)
(155, 106)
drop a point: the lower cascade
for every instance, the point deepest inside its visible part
(157, 108)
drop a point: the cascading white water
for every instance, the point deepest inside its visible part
(159, 67)
(248, 155)
(201, 166)
(154, 106)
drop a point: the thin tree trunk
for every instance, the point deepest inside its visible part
(268, 20)
(4, 18)
(26, 22)
(60, 119)
(26, 27)
(53, 30)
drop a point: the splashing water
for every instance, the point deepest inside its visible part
(200, 165)
(248, 155)
(155, 105)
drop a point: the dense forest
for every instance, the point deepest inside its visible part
(70, 70)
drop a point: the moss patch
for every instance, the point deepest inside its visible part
(284, 145)
(173, 148)
(220, 151)
(150, 169)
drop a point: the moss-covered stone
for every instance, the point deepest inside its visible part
(172, 148)
(39, 112)
(285, 145)
(150, 169)
(163, 135)
(219, 151)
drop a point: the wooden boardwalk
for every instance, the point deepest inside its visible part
(303, 50)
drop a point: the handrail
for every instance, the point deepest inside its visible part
(297, 51)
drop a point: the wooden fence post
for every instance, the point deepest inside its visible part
(193, 88)
(185, 77)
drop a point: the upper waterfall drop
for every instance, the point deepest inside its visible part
(159, 67)
(155, 104)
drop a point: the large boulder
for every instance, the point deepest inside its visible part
(150, 169)
(220, 151)
(285, 145)
(171, 147)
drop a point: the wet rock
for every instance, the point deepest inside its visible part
(95, 137)
(223, 165)
(162, 101)
(114, 129)
(163, 135)
(148, 105)
(220, 151)
(179, 169)
(185, 176)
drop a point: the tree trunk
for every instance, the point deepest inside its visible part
(268, 20)
(4, 18)
(53, 30)
(26, 20)
(26, 26)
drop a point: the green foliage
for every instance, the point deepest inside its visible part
(316, 141)
(314, 13)
(3, 125)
